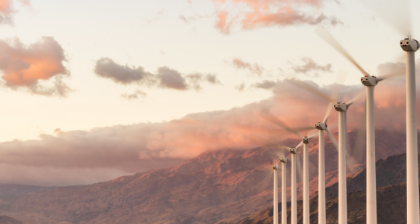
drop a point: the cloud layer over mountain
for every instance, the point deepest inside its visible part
(102, 153)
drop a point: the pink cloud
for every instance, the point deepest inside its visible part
(251, 14)
(7, 9)
(26, 66)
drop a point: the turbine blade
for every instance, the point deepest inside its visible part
(389, 76)
(355, 98)
(299, 145)
(284, 147)
(270, 117)
(335, 44)
(313, 135)
(337, 87)
(304, 128)
(395, 13)
(313, 90)
(332, 138)
(329, 109)
(359, 147)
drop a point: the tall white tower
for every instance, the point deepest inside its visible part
(342, 181)
(410, 46)
(276, 195)
(283, 161)
(371, 207)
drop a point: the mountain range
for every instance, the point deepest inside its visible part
(221, 186)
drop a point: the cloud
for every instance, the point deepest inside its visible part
(32, 67)
(255, 68)
(103, 153)
(310, 66)
(133, 96)
(240, 87)
(7, 10)
(196, 79)
(122, 74)
(165, 77)
(266, 84)
(251, 14)
(171, 79)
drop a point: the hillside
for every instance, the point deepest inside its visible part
(8, 220)
(391, 197)
(214, 186)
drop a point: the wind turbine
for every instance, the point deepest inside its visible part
(276, 195)
(322, 127)
(370, 82)
(293, 186)
(283, 161)
(341, 108)
(410, 46)
(304, 142)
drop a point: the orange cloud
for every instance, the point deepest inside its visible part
(251, 14)
(25, 66)
(240, 64)
(7, 10)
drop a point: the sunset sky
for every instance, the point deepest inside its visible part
(92, 90)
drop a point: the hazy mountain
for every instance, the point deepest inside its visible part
(214, 186)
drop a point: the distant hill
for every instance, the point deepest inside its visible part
(8, 220)
(8, 191)
(391, 196)
(212, 187)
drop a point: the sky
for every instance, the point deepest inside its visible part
(92, 90)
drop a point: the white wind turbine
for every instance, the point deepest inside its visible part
(370, 82)
(305, 182)
(293, 185)
(283, 161)
(276, 195)
(322, 127)
(397, 13)
(322, 215)
(341, 108)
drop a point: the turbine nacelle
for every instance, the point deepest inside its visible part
(340, 106)
(369, 81)
(283, 159)
(292, 150)
(321, 126)
(409, 44)
(275, 167)
(305, 140)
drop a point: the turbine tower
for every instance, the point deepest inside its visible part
(293, 187)
(370, 82)
(410, 46)
(304, 142)
(341, 108)
(322, 214)
(283, 161)
(276, 195)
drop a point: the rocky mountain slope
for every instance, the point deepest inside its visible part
(390, 195)
(8, 220)
(214, 186)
